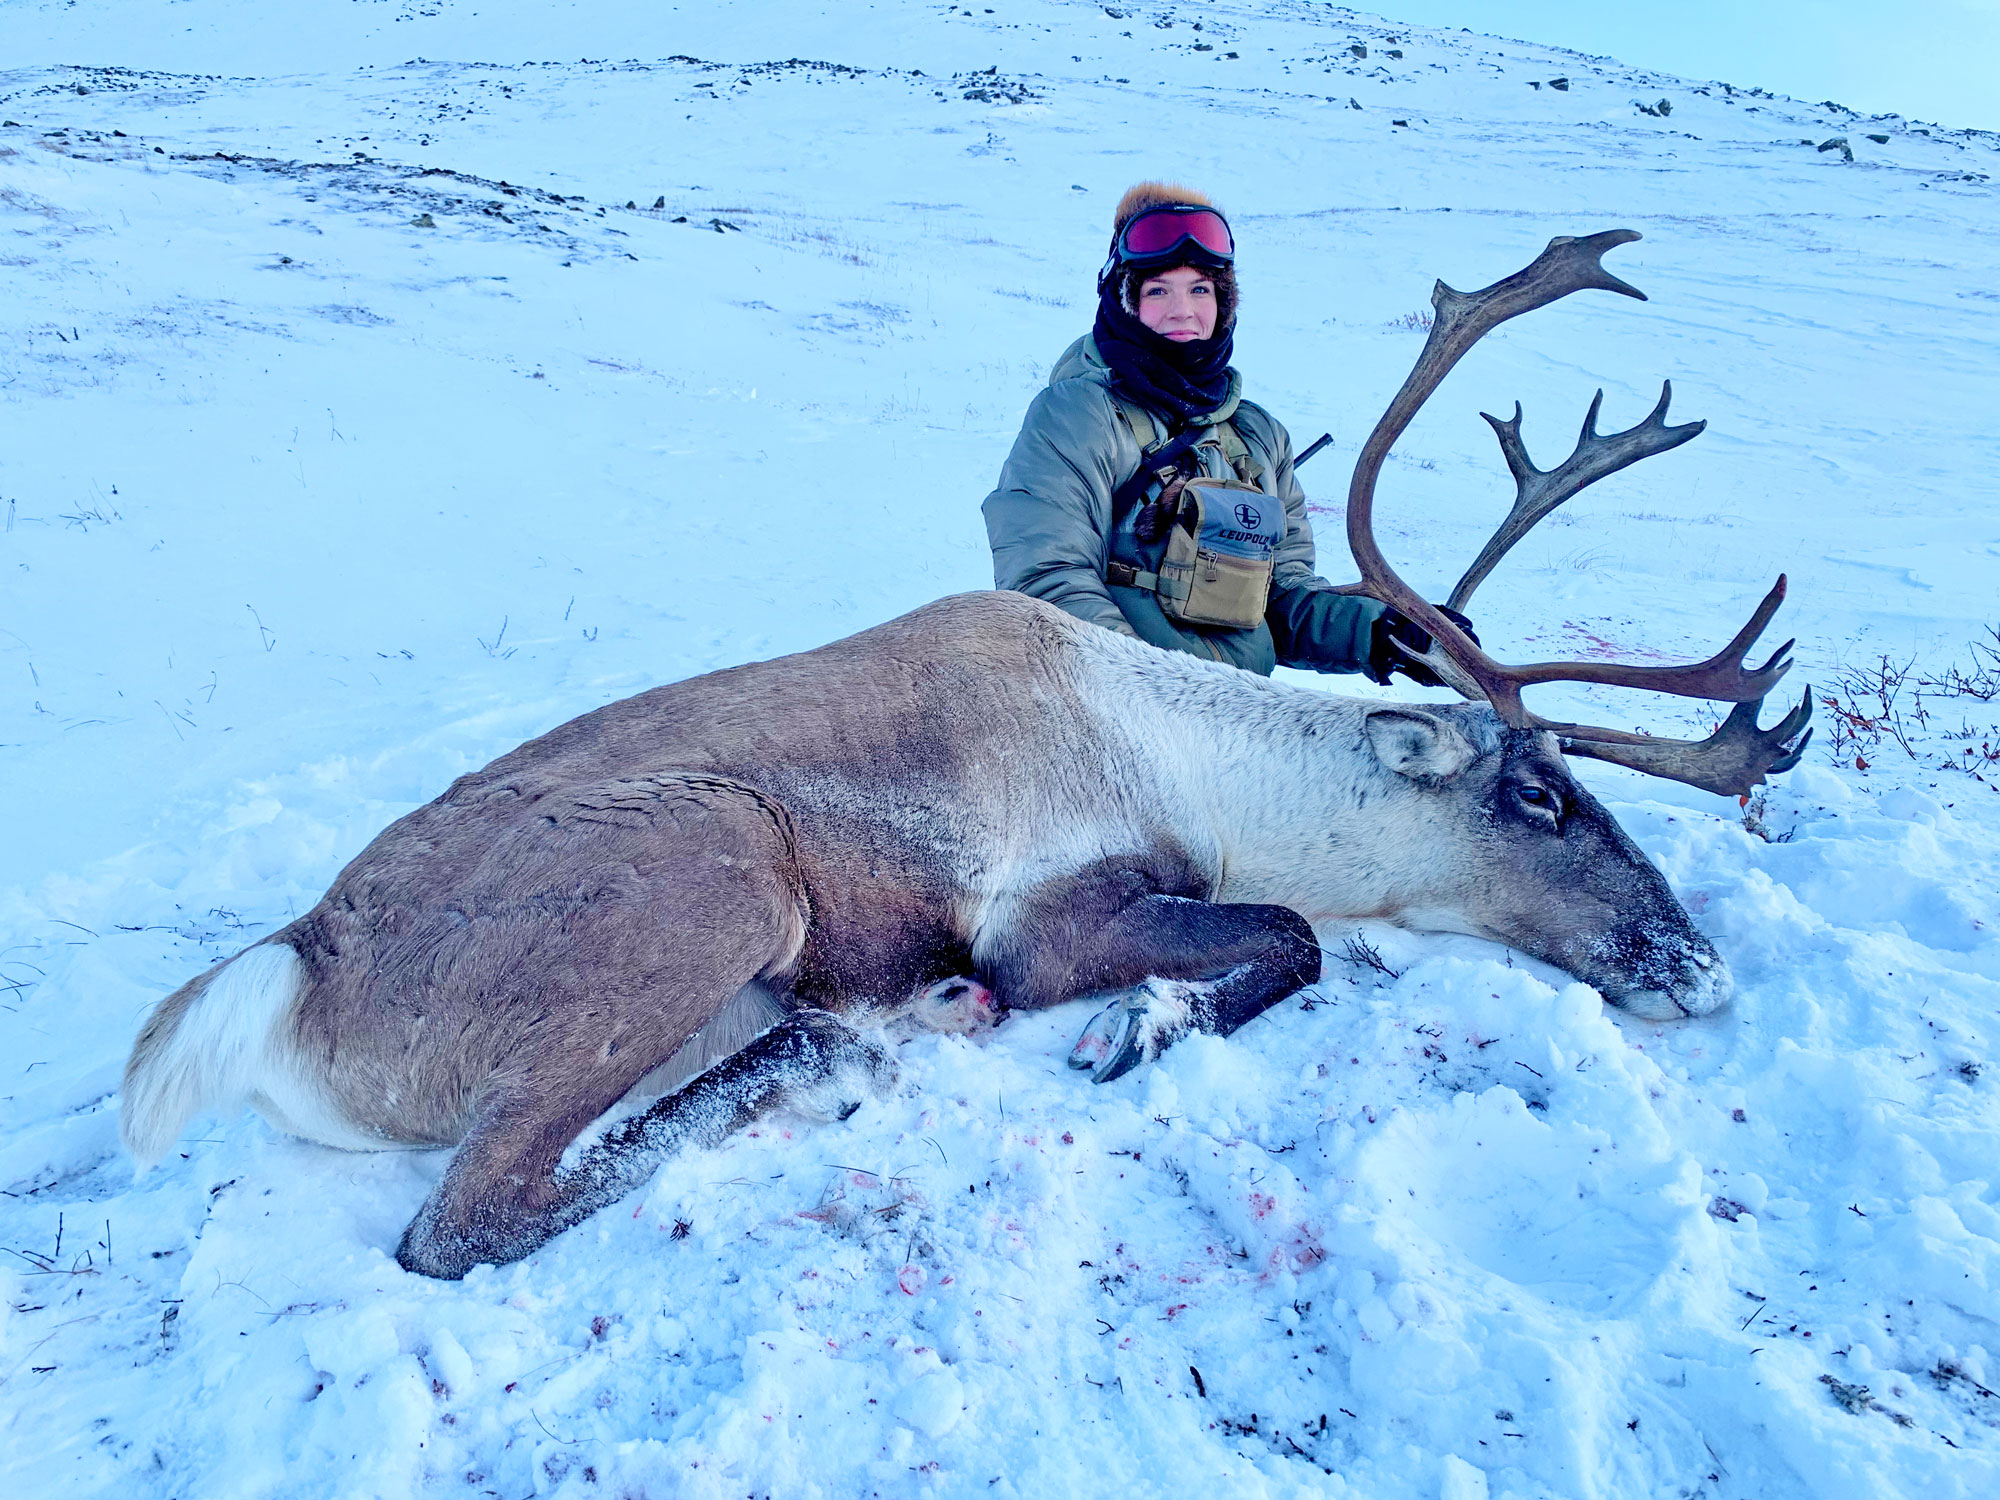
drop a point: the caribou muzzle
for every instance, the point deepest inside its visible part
(1663, 971)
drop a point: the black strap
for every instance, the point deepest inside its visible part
(1127, 576)
(1167, 456)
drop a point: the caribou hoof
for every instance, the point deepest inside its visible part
(1098, 1038)
(958, 1006)
(1133, 1029)
(856, 1069)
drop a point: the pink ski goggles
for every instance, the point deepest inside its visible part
(1175, 233)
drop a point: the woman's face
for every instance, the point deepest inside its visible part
(1179, 304)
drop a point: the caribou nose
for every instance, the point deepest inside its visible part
(1702, 986)
(1711, 984)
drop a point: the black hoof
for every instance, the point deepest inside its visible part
(1128, 1048)
(1097, 1040)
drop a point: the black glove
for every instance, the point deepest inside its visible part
(1395, 633)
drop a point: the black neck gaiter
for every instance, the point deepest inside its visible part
(1184, 382)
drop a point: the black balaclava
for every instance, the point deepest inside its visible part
(1183, 381)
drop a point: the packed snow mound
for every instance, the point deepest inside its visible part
(385, 383)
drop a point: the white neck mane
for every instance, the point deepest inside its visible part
(1280, 780)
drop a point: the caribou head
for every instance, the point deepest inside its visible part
(1576, 892)
(1502, 842)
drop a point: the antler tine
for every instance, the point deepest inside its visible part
(1538, 491)
(1729, 762)
(1722, 677)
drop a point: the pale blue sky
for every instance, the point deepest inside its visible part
(1932, 60)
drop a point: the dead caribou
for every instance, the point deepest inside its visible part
(702, 879)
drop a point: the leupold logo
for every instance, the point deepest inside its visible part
(1248, 516)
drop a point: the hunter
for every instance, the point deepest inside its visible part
(1145, 495)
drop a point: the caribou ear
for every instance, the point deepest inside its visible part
(1420, 746)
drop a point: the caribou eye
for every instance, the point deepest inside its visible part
(1540, 798)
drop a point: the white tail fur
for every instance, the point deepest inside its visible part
(211, 1043)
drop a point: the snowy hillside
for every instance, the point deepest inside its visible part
(383, 382)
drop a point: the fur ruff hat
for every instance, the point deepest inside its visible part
(1142, 196)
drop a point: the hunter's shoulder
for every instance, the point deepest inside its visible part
(1081, 402)
(1258, 426)
(1080, 361)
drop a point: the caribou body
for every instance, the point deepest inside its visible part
(696, 890)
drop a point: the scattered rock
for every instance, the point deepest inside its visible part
(1880, 140)
(423, 221)
(1660, 108)
(1358, 50)
(1838, 143)
(1560, 85)
(988, 87)
(660, 202)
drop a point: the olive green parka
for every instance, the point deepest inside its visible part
(1050, 525)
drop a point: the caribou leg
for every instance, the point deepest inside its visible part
(1141, 1024)
(812, 1061)
(705, 900)
(1186, 964)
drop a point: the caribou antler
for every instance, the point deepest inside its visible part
(1738, 755)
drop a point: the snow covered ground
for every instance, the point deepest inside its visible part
(384, 383)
